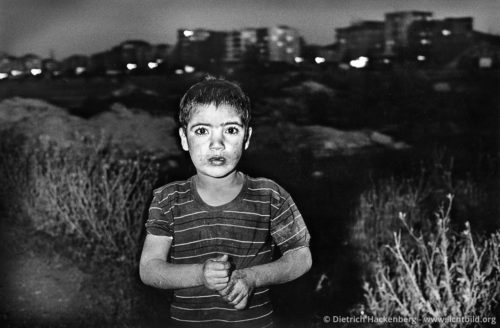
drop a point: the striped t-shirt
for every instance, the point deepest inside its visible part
(262, 216)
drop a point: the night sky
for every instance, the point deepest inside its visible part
(87, 26)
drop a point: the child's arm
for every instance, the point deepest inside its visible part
(155, 271)
(290, 266)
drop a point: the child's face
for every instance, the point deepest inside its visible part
(215, 139)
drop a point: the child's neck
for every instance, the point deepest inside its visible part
(219, 191)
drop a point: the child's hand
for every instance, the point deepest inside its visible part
(215, 273)
(239, 289)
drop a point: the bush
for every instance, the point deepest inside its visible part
(441, 276)
(87, 193)
(417, 197)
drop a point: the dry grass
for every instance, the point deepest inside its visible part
(439, 276)
(89, 194)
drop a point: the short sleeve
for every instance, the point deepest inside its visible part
(288, 228)
(160, 222)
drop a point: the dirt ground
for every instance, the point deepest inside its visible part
(41, 287)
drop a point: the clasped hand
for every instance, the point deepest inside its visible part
(235, 288)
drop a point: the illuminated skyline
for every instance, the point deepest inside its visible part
(88, 26)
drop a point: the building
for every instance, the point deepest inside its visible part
(364, 38)
(284, 44)
(76, 64)
(233, 47)
(31, 62)
(255, 44)
(483, 53)
(162, 53)
(51, 66)
(439, 41)
(134, 54)
(11, 66)
(396, 29)
(200, 47)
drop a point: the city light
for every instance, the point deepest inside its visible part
(280, 44)
(421, 58)
(299, 60)
(424, 41)
(35, 71)
(79, 70)
(289, 50)
(446, 32)
(3, 76)
(359, 63)
(188, 69)
(289, 38)
(319, 60)
(15, 72)
(188, 33)
(179, 71)
(152, 65)
(131, 66)
(387, 61)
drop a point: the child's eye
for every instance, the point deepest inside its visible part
(233, 130)
(200, 131)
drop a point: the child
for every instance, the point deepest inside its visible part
(211, 238)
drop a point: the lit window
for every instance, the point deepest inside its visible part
(131, 66)
(421, 58)
(3, 76)
(424, 41)
(188, 33)
(35, 71)
(188, 69)
(79, 70)
(342, 41)
(15, 72)
(279, 43)
(299, 60)
(274, 38)
(289, 50)
(319, 60)
(446, 32)
(485, 62)
(179, 71)
(387, 61)
(289, 38)
(152, 65)
(359, 63)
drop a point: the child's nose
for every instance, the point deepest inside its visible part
(217, 141)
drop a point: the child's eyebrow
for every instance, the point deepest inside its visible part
(195, 125)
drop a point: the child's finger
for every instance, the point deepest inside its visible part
(222, 258)
(218, 273)
(242, 304)
(220, 281)
(238, 298)
(219, 265)
(235, 293)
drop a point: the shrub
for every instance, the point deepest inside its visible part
(442, 276)
(376, 216)
(88, 193)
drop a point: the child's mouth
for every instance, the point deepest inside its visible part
(217, 160)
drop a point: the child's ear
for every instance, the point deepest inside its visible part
(184, 142)
(247, 140)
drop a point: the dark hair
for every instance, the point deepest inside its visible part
(218, 92)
